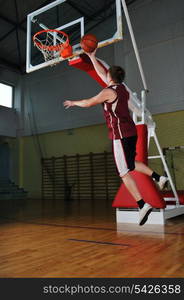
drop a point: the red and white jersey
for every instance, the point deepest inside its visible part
(117, 115)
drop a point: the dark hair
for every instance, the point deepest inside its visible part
(117, 74)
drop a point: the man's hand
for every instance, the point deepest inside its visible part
(68, 104)
(91, 54)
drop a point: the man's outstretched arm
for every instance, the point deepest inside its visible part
(98, 67)
(104, 95)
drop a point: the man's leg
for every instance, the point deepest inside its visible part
(124, 155)
(141, 167)
(131, 186)
(145, 208)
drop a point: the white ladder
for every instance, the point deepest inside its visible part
(141, 115)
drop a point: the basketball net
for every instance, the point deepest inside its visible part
(50, 43)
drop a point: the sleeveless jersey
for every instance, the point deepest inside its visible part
(117, 115)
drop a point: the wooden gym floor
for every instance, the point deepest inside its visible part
(80, 239)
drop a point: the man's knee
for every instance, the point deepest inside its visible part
(125, 175)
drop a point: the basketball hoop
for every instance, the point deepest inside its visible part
(51, 42)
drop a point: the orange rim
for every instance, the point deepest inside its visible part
(58, 47)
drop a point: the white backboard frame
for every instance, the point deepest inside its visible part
(118, 35)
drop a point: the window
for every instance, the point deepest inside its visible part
(6, 95)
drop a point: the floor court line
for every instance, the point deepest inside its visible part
(99, 242)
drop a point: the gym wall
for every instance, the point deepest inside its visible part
(89, 139)
(159, 30)
(9, 119)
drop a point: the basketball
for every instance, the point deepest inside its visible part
(89, 43)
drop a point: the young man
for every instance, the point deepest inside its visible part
(122, 130)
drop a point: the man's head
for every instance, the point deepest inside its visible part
(115, 74)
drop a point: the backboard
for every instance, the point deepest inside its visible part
(75, 20)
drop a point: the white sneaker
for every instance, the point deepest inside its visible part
(161, 183)
(144, 213)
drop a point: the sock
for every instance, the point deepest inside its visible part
(155, 176)
(141, 203)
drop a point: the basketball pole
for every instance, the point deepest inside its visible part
(134, 44)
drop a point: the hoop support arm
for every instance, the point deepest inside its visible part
(134, 44)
